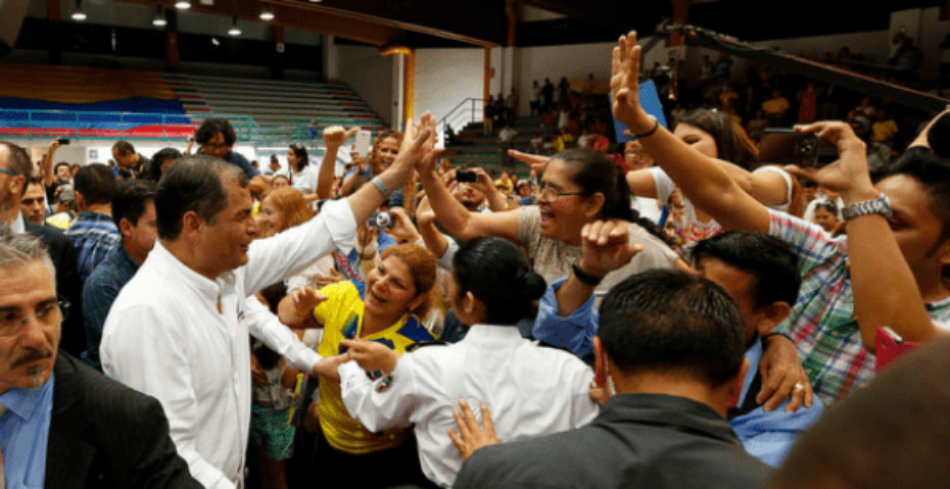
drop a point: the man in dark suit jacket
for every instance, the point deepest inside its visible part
(15, 171)
(97, 432)
(68, 286)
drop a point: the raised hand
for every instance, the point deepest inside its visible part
(847, 176)
(336, 136)
(430, 155)
(624, 85)
(403, 230)
(412, 150)
(605, 247)
(483, 182)
(305, 300)
(370, 355)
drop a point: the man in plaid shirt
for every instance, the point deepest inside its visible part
(93, 233)
(833, 345)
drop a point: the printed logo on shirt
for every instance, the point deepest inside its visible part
(240, 314)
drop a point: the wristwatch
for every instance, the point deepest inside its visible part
(880, 205)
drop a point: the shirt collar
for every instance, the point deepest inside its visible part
(170, 265)
(665, 410)
(486, 332)
(753, 354)
(93, 217)
(18, 226)
(25, 403)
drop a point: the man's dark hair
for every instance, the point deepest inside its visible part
(18, 160)
(96, 183)
(933, 174)
(194, 183)
(673, 322)
(769, 259)
(123, 147)
(58, 165)
(939, 136)
(155, 169)
(210, 127)
(131, 196)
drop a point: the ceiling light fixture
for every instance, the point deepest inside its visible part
(79, 14)
(159, 20)
(183, 5)
(235, 30)
(267, 13)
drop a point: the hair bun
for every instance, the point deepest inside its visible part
(532, 286)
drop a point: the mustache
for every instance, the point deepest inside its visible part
(30, 355)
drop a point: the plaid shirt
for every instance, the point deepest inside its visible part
(94, 236)
(821, 322)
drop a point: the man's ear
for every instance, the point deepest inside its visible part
(593, 205)
(80, 201)
(771, 316)
(18, 186)
(125, 227)
(192, 225)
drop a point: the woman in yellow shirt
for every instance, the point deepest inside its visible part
(390, 310)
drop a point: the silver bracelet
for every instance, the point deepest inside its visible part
(383, 189)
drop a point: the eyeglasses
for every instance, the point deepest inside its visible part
(8, 172)
(12, 323)
(549, 193)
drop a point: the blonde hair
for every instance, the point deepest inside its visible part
(291, 204)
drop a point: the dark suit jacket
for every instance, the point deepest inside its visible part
(104, 434)
(68, 285)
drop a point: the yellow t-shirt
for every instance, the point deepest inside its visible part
(342, 317)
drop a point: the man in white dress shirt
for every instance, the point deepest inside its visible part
(179, 329)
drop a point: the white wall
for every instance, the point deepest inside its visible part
(446, 77)
(370, 75)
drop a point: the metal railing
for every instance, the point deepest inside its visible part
(28, 124)
(19, 123)
(467, 111)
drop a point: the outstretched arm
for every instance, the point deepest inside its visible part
(704, 183)
(885, 290)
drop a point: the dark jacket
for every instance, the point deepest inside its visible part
(103, 434)
(68, 286)
(637, 440)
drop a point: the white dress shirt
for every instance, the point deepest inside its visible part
(530, 390)
(18, 226)
(165, 337)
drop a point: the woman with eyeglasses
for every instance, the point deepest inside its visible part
(578, 187)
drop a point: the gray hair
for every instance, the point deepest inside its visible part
(18, 159)
(17, 250)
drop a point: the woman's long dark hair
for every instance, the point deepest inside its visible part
(498, 274)
(595, 173)
(301, 153)
(732, 142)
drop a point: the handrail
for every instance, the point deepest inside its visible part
(470, 106)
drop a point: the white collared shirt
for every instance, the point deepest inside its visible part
(18, 226)
(165, 337)
(531, 391)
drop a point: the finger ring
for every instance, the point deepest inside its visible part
(798, 387)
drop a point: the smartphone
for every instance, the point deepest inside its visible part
(362, 143)
(63, 142)
(466, 176)
(785, 146)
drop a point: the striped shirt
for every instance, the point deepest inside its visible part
(94, 236)
(821, 322)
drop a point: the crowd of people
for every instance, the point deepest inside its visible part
(662, 315)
